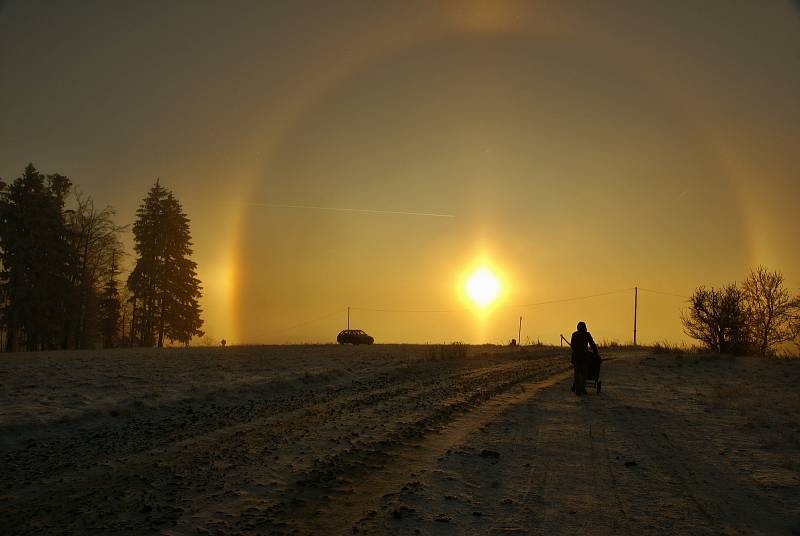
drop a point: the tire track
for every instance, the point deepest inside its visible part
(144, 478)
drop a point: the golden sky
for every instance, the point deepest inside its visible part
(580, 148)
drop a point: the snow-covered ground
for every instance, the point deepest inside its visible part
(395, 440)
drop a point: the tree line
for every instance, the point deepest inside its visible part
(61, 260)
(759, 316)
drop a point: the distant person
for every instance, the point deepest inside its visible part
(581, 343)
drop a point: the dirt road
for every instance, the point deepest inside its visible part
(394, 440)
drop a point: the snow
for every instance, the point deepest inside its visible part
(395, 440)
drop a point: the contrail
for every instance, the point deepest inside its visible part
(358, 210)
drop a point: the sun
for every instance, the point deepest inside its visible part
(483, 287)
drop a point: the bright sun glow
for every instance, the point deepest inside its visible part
(483, 287)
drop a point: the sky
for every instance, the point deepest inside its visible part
(576, 149)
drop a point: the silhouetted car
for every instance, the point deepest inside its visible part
(353, 336)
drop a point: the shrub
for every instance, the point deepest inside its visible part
(664, 347)
(717, 317)
(773, 314)
(609, 344)
(454, 350)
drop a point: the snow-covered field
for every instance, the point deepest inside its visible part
(395, 440)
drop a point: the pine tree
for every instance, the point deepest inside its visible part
(144, 280)
(164, 281)
(37, 260)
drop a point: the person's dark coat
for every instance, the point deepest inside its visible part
(581, 343)
(582, 358)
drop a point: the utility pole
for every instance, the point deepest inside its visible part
(519, 333)
(348, 319)
(635, 311)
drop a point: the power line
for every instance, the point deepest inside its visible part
(408, 310)
(307, 322)
(517, 306)
(564, 300)
(664, 293)
(467, 309)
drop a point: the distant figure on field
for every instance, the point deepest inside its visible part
(580, 343)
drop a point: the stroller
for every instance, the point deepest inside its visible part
(593, 372)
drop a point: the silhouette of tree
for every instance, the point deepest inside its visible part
(718, 319)
(124, 298)
(95, 239)
(37, 260)
(110, 308)
(164, 283)
(772, 312)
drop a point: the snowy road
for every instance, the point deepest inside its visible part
(391, 440)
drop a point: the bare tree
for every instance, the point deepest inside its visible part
(717, 318)
(772, 311)
(95, 238)
(126, 314)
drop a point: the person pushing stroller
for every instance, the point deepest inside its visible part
(582, 357)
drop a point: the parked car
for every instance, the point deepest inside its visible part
(353, 336)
